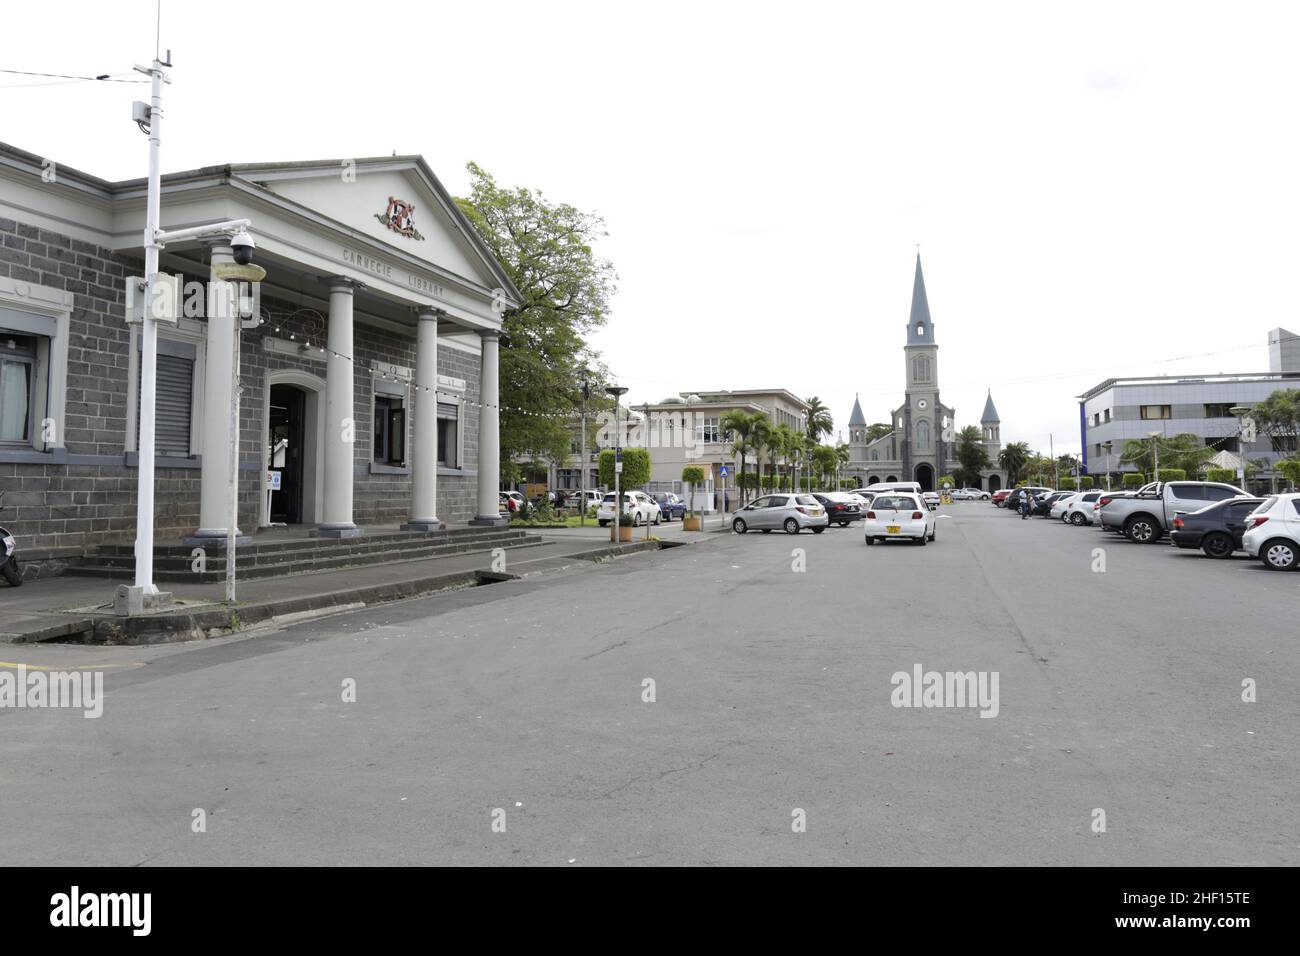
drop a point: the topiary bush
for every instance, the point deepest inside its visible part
(1067, 484)
(1291, 470)
(1134, 480)
(1086, 482)
(692, 475)
(1225, 475)
(1171, 474)
(636, 468)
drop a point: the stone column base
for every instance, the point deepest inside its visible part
(425, 524)
(131, 601)
(348, 530)
(489, 521)
(215, 538)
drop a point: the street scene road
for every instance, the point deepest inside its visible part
(514, 723)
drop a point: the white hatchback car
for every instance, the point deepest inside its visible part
(642, 508)
(899, 514)
(1273, 532)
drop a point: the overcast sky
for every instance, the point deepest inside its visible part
(1096, 188)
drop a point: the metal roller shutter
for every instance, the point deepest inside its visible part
(172, 418)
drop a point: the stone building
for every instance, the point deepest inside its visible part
(367, 357)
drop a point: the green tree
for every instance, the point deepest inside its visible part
(842, 458)
(741, 426)
(1290, 469)
(760, 436)
(878, 430)
(819, 419)
(1013, 459)
(692, 475)
(1278, 417)
(972, 455)
(827, 462)
(546, 250)
(636, 468)
(781, 443)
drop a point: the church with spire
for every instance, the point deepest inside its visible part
(921, 445)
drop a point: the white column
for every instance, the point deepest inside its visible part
(424, 460)
(489, 435)
(340, 413)
(214, 477)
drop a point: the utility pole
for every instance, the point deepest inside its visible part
(618, 391)
(582, 480)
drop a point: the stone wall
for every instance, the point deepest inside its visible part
(89, 498)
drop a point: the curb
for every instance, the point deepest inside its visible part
(212, 620)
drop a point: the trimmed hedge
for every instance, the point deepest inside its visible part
(1291, 469)
(636, 468)
(1171, 474)
(1226, 475)
(1132, 480)
(1067, 484)
(1086, 483)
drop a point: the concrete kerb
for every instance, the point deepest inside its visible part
(206, 620)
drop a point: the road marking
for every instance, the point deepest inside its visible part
(70, 667)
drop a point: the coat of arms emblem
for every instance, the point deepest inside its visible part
(400, 217)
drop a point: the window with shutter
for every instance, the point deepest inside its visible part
(448, 439)
(173, 401)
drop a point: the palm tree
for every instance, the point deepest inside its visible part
(819, 419)
(760, 440)
(784, 439)
(1013, 460)
(741, 425)
(842, 459)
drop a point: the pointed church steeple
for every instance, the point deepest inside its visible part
(990, 416)
(857, 418)
(920, 330)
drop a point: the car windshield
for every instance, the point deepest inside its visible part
(609, 498)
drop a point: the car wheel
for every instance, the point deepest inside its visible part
(739, 526)
(791, 526)
(934, 532)
(921, 541)
(1279, 554)
(657, 516)
(1217, 546)
(870, 540)
(13, 573)
(1142, 529)
(818, 530)
(603, 523)
(1077, 518)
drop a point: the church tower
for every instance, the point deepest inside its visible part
(991, 426)
(922, 421)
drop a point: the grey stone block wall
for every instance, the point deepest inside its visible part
(92, 499)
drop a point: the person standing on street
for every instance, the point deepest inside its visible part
(1026, 504)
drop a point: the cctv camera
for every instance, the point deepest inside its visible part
(242, 245)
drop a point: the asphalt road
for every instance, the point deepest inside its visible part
(1119, 691)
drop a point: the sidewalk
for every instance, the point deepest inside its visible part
(75, 608)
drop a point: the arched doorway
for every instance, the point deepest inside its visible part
(293, 445)
(892, 479)
(995, 483)
(925, 477)
(873, 480)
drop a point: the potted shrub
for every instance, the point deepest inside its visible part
(692, 475)
(625, 527)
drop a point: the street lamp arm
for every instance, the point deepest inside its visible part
(227, 227)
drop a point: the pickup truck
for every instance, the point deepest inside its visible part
(1146, 515)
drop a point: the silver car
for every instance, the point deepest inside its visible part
(791, 513)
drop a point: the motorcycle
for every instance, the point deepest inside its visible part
(9, 567)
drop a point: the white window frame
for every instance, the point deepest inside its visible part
(46, 313)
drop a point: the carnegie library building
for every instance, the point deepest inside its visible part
(367, 356)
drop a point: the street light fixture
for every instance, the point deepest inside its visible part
(618, 391)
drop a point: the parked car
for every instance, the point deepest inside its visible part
(792, 513)
(515, 502)
(670, 505)
(642, 508)
(999, 498)
(1042, 506)
(1012, 501)
(1077, 509)
(899, 515)
(574, 499)
(1216, 529)
(1273, 532)
(931, 499)
(969, 494)
(1145, 516)
(863, 498)
(841, 508)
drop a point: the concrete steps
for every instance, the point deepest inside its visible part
(273, 558)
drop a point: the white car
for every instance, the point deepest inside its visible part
(969, 494)
(931, 499)
(1077, 508)
(899, 514)
(573, 498)
(1273, 532)
(642, 508)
